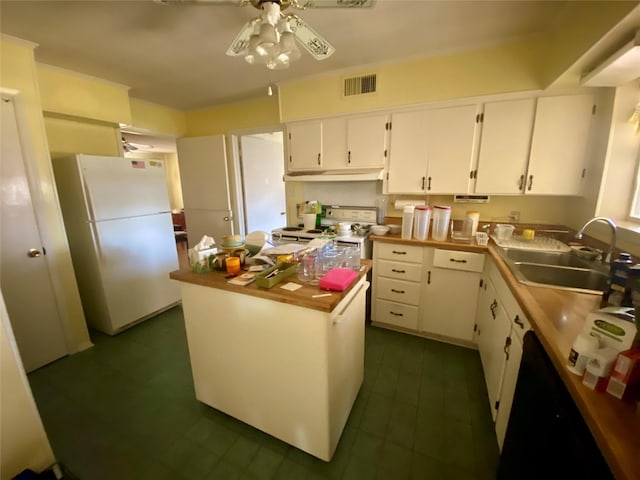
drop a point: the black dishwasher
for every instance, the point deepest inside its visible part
(547, 437)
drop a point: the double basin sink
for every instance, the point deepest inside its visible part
(564, 270)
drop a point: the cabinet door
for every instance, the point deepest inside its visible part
(492, 330)
(407, 153)
(509, 380)
(450, 148)
(504, 147)
(559, 145)
(366, 141)
(450, 303)
(334, 144)
(305, 146)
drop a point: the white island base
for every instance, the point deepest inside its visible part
(290, 371)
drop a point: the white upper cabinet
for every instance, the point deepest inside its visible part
(504, 146)
(432, 151)
(366, 141)
(304, 146)
(559, 145)
(337, 144)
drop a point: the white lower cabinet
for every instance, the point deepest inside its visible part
(426, 290)
(500, 326)
(397, 284)
(450, 295)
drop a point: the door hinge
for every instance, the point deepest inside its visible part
(475, 327)
(481, 282)
(385, 153)
(387, 176)
(497, 405)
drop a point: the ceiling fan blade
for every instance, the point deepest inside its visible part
(239, 44)
(334, 3)
(311, 40)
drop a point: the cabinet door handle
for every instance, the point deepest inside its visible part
(397, 291)
(493, 306)
(521, 183)
(423, 182)
(530, 182)
(398, 271)
(396, 314)
(318, 159)
(518, 322)
(429, 183)
(429, 277)
(507, 343)
(398, 253)
(457, 261)
(349, 156)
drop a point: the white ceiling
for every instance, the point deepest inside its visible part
(175, 55)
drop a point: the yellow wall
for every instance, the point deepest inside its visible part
(262, 112)
(562, 47)
(70, 93)
(18, 71)
(497, 69)
(75, 135)
(157, 118)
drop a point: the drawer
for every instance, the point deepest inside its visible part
(404, 253)
(398, 290)
(397, 314)
(402, 271)
(457, 260)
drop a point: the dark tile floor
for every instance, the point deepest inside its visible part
(125, 409)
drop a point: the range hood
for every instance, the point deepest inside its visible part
(335, 176)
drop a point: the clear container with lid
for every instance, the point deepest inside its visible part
(441, 217)
(407, 222)
(422, 217)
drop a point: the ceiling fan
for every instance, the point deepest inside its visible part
(269, 39)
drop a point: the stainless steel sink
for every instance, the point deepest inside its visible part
(556, 269)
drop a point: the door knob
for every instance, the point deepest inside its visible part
(226, 219)
(34, 252)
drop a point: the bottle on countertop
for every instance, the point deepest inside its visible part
(618, 281)
(407, 222)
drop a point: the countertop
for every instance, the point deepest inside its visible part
(302, 297)
(557, 316)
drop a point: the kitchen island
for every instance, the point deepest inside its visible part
(282, 361)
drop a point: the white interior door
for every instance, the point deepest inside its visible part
(25, 278)
(262, 158)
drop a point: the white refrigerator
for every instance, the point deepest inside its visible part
(118, 222)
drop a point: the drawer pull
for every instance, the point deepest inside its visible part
(493, 306)
(397, 291)
(398, 253)
(518, 322)
(398, 271)
(396, 314)
(457, 261)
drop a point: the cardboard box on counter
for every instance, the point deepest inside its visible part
(625, 375)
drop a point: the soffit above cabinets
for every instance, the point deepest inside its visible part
(620, 68)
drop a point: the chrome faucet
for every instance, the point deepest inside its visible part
(612, 242)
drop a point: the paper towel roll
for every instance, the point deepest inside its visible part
(400, 204)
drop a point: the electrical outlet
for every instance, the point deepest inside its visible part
(514, 216)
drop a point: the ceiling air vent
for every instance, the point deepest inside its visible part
(360, 85)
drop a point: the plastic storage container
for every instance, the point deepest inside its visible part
(441, 217)
(470, 223)
(407, 222)
(422, 215)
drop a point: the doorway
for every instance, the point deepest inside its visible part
(260, 165)
(26, 280)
